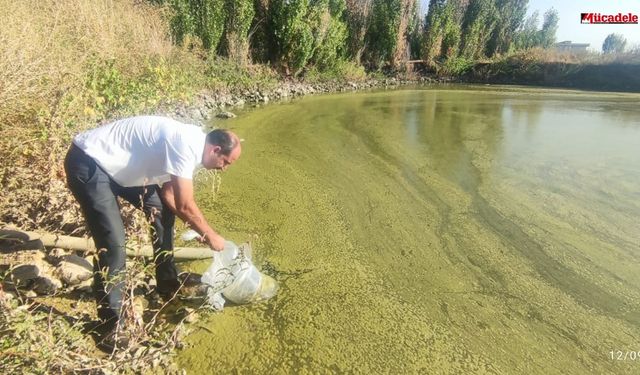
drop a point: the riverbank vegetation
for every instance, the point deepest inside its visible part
(67, 65)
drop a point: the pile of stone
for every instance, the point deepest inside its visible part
(31, 270)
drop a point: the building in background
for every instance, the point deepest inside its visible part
(568, 46)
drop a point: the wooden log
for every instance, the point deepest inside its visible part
(86, 244)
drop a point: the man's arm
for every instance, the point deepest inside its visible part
(177, 194)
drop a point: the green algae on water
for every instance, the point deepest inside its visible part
(433, 230)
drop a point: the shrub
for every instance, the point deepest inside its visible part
(292, 34)
(342, 70)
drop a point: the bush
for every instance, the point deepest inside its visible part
(227, 73)
(201, 18)
(109, 89)
(47, 45)
(341, 71)
(330, 33)
(456, 66)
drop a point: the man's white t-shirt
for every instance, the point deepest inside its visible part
(144, 150)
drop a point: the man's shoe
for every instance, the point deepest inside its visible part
(183, 286)
(113, 339)
(190, 278)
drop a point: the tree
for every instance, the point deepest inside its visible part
(260, 35)
(202, 18)
(510, 17)
(292, 34)
(209, 21)
(402, 49)
(415, 33)
(357, 16)
(477, 24)
(526, 37)
(389, 31)
(239, 16)
(614, 43)
(547, 35)
(382, 35)
(442, 30)
(329, 31)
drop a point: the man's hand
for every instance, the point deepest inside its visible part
(177, 194)
(215, 242)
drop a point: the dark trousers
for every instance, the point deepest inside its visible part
(97, 194)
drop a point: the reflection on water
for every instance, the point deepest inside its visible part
(461, 229)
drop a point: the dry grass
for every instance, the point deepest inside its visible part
(46, 46)
(57, 333)
(541, 55)
(49, 50)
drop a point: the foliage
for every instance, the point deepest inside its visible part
(239, 15)
(342, 70)
(183, 23)
(109, 89)
(228, 73)
(443, 32)
(357, 20)
(509, 17)
(527, 36)
(402, 51)
(547, 35)
(614, 43)
(292, 34)
(456, 66)
(477, 24)
(201, 18)
(415, 33)
(330, 32)
(435, 18)
(260, 35)
(382, 35)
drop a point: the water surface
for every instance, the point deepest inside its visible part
(434, 230)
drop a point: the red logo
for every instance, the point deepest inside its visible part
(598, 18)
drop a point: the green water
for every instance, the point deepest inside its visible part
(433, 230)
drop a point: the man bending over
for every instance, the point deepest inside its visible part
(149, 161)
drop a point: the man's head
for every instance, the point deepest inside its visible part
(221, 149)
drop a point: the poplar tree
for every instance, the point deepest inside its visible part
(382, 35)
(527, 36)
(357, 20)
(330, 32)
(477, 24)
(291, 34)
(509, 18)
(614, 43)
(201, 18)
(547, 35)
(239, 15)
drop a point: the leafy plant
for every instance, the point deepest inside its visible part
(292, 34)
(382, 35)
(614, 43)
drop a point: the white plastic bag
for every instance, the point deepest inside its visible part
(233, 275)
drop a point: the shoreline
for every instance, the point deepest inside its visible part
(203, 108)
(208, 103)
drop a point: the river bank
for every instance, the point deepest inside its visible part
(612, 77)
(548, 68)
(39, 200)
(52, 201)
(448, 229)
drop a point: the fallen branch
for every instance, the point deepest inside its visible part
(86, 244)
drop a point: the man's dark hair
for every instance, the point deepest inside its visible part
(222, 138)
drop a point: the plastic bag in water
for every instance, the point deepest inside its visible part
(233, 275)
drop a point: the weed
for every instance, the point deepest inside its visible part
(341, 71)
